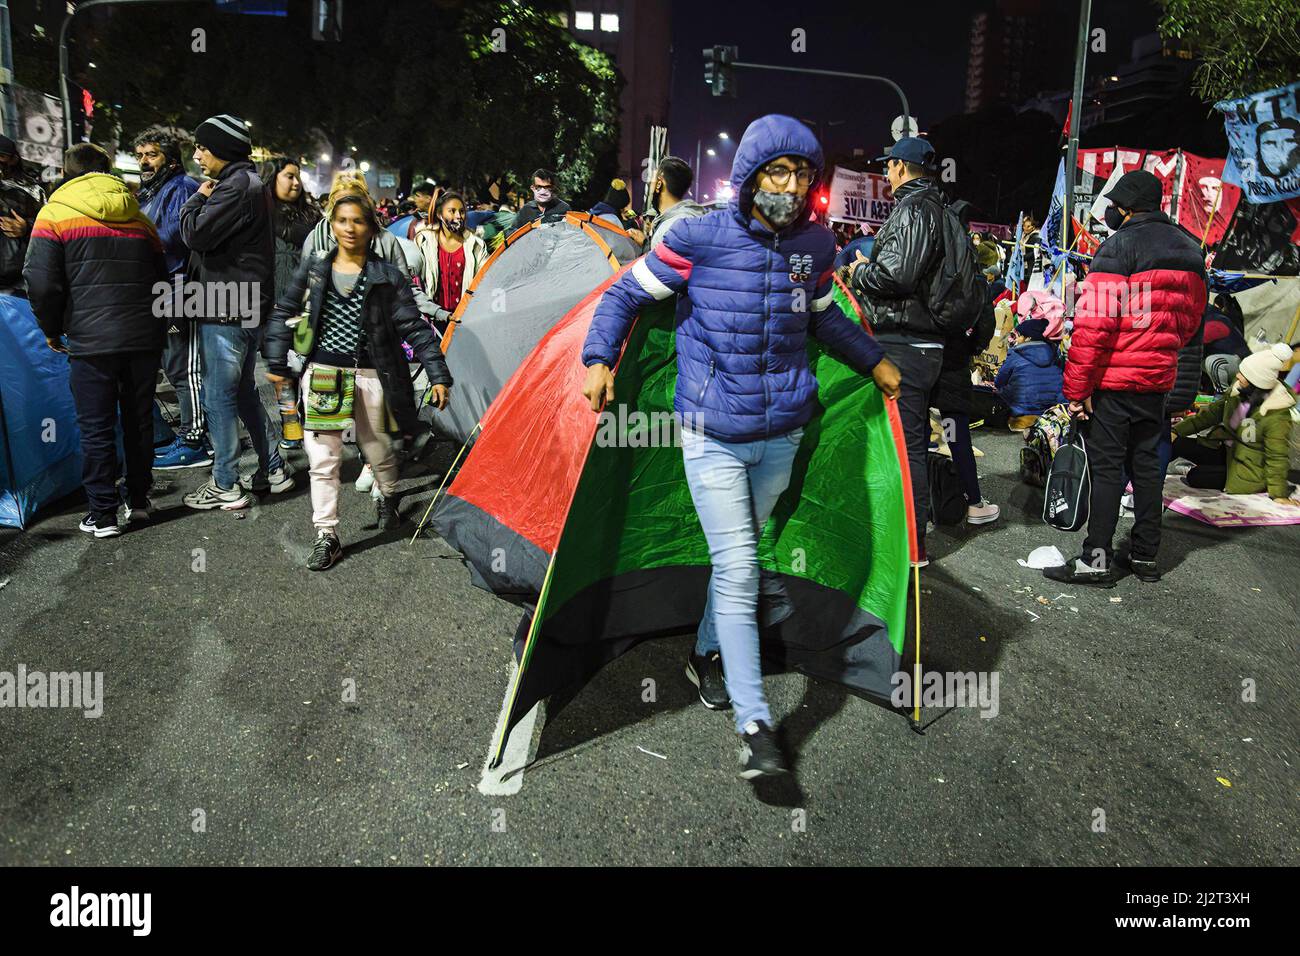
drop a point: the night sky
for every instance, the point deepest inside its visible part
(925, 53)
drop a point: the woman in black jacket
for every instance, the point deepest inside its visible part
(349, 328)
(293, 215)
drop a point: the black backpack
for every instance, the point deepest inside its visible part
(958, 290)
(1065, 499)
(947, 500)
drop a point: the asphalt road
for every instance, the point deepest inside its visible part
(226, 737)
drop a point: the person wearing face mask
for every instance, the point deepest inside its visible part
(452, 253)
(164, 188)
(673, 180)
(893, 285)
(1245, 448)
(1140, 304)
(545, 202)
(744, 388)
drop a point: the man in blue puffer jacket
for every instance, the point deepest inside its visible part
(756, 279)
(164, 187)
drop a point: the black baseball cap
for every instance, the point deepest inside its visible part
(910, 149)
(1136, 191)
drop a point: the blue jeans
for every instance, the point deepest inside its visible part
(230, 394)
(735, 486)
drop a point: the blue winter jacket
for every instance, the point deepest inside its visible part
(1029, 381)
(164, 211)
(751, 298)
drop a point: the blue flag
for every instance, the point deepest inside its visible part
(1264, 143)
(1053, 254)
(1016, 261)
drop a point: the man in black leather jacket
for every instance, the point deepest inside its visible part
(894, 285)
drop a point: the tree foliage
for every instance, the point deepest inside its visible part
(470, 92)
(1244, 46)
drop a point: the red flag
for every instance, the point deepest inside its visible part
(1065, 130)
(1088, 243)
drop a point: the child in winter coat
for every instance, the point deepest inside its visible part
(1029, 381)
(1245, 448)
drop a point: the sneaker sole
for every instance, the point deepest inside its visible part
(989, 520)
(113, 532)
(694, 678)
(753, 774)
(243, 502)
(195, 464)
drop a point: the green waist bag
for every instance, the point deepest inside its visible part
(327, 399)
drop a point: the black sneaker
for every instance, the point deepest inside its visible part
(327, 551)
(706, 674)
(1077, 572)
(1142, 570)
(761, 755)
(100, 527)
(386, 512)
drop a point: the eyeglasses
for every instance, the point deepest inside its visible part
(780, 175)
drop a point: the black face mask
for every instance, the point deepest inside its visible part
(1114, 218)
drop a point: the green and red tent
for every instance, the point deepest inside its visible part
(587, 520)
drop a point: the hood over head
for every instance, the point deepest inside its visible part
(100, 196)
(765, 139)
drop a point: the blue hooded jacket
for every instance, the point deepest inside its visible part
(1029, 381)
(751, 297)
(164, 211)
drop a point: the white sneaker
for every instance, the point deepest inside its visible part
(210, 495)
(1126, 505)
(366, 480)
(982, 513)
(277, 482)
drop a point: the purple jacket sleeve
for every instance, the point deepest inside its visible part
(661, 273)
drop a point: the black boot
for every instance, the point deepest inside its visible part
(387, 514)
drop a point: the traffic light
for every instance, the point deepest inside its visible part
(719, 74)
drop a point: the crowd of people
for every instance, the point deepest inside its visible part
(347, 294)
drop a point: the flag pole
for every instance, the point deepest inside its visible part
(1076, 123)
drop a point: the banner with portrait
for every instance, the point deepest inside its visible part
(1264, 143)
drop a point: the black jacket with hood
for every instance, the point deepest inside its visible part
(230, 236)
(389, 316)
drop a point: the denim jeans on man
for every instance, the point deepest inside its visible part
(229, 395)
(735, 486)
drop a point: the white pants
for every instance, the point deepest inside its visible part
(325, 450)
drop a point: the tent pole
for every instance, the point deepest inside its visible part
(916, 673)
(445, 478)
(1295, 321)
(499, 750)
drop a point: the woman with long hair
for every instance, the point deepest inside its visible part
(452, 253)
(358, 311)
(294, 214)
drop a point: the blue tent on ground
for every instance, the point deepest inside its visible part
(40, 446)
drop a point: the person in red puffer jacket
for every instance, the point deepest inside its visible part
(1141, 302)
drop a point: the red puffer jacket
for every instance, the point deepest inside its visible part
(1141, 302)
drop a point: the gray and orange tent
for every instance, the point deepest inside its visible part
(529, 283)
(587, 521)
